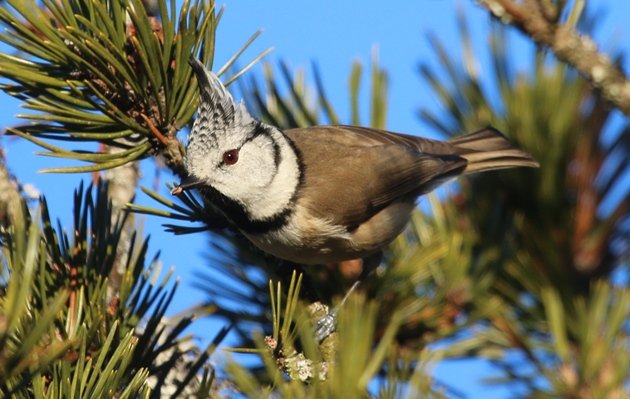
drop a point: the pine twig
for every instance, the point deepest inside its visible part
(122, 182)
(536, 20)
(10, 199)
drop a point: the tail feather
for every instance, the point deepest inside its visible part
(489, 149)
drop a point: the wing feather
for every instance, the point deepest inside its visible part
(368, 168)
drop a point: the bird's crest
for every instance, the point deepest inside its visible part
(218, 112)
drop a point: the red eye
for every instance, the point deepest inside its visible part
(230, 157)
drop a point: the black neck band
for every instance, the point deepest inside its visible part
(237, 214)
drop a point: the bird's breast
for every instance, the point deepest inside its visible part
(307, 239)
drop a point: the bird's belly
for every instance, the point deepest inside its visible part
(316, 241)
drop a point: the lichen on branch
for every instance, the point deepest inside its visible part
(540, 21)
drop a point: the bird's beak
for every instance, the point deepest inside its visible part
(187, 183)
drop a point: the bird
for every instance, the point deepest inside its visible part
(322, 194)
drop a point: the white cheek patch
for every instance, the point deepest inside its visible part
(247, 179)
(276, 196)
(256, 163)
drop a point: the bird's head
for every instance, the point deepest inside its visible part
(232, 153)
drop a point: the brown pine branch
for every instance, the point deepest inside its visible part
(10, 198)
(122, 182)
(535, 19)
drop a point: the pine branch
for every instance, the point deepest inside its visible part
(107, 72)
(25, 346)
(122, 182)
(11, 206)
(350, 366)
(543, 240)
(540, 21)
(66, 334)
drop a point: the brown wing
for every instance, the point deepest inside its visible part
(371, 169)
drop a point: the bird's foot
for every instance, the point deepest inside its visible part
(326, 326)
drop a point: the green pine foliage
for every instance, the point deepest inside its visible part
(65, 334)
(558, 249)
(106, 72)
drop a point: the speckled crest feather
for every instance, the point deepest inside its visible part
(218, 112)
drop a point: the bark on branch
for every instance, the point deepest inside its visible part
(538, 20)
(10, 198)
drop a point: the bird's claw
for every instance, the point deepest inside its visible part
(326, 326)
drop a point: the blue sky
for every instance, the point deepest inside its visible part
(334, 34)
